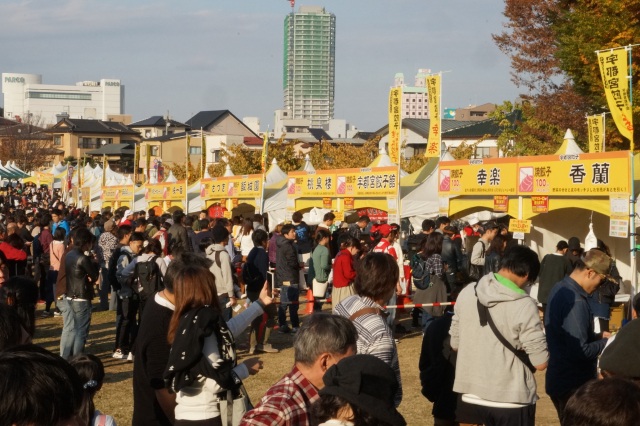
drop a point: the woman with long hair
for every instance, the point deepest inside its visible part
(494, 254)
(246, 243)
(321, 262)
(202, 366)
(435, 270)
(91, 372)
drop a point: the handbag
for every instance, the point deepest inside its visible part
(232, 409)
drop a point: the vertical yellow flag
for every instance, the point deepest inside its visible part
(136, 163)
(265, 152)
(395, 123)
(148, 148)
(188, 161)
(595, 124)
(614, 70)
(435, 124)
(203, 156)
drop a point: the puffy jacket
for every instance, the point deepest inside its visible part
(79, 269)
(287, 265)
(179, 237)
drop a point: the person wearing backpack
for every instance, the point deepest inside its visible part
(128, 300)
(303, 237)
(254, 274)
(221, 269)
(476, 269)
(429, 277)
(147, 272)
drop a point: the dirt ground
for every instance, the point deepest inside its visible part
(116, 396)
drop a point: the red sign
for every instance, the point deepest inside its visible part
(375, 215)
(540, 204)
(500, 203)
(326, 202)
(348, 203)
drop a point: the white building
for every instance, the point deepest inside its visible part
(25, 94)
(415, 100)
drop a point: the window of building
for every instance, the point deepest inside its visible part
(419, 151)
(155, 150)
(195, 150)
(65, 96)
(216, 156)
(482, 152)
(57, 140)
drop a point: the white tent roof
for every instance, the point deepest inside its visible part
(275, 174)
(228, 171)
(308, 167)
(171, 178)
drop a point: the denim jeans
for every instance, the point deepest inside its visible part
(76, 319)
(289, 294)
(226, 311)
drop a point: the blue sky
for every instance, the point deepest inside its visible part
(198, 55)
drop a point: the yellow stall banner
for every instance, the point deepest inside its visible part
(375, 182)
(118, 193)
(85, 195)
(614, 70)
(574, 174)
(435, 124)
(488, 176)
(44, 179)
(247, 186)
(165, 191)
(395, 123)
(523, 226)
(595, 124)
(318, 184)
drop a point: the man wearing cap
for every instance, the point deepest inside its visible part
(573, 345)
(323, 340)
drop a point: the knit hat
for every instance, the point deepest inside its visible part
(620, 356)
(108, 225)
(366, 382)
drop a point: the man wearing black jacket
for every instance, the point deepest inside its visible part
(75, 304)
(288, 278)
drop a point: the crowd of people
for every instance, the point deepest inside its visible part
(184, 288)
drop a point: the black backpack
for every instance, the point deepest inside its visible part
(148, 277)
(420, 273)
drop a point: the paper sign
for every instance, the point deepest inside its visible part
(619, 206)
(523, 226)
(326, 202)
(349, 203)
(443, 206)
(339, 216)
(500, 203)
(619, 228)
(518, 235)
(540, 204)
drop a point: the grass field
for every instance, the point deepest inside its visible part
(116, 396)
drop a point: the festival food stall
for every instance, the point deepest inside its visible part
(232, 195)
(165, 197)
(551, 198)
(117, 196)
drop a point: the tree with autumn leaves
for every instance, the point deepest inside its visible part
(552, 44)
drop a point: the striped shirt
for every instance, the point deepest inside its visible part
(374, 335)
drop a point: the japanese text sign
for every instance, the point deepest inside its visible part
(165, 191)
(489, 176)
(614, 71)
(395, 123)
(540, 204)
(247, 186)
(376, 182)
(595, 124)
(574, 174)
(115, 193)
(523, 226)
(435, 124)
(501, 203)
(312, 184)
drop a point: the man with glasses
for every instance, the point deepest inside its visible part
(498, 336)
(574, 346)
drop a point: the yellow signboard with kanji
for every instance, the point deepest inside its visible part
(615, 72)
(165, 191)
(247, 186)
(435, 124)
(44, 178)
(395, 123)
(489, 176)
(595, 174)
(348, 183)
(523, 226)
(122, 193)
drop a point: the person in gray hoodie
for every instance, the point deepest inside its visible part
(221, 269)
(495, 384)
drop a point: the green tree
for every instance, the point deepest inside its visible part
(552, 44)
